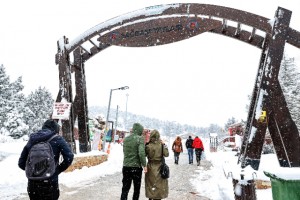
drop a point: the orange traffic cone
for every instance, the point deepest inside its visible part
(108, 149)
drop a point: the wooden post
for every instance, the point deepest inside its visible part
(80, 103)
(65, 90)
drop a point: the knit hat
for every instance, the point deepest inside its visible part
(51, 125)
(137, 128)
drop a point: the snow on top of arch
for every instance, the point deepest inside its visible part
(148, 11)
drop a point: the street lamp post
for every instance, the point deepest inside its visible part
(107, 116)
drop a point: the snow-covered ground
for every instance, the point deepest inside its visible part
(13, 180)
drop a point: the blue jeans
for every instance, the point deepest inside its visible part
(191, 153)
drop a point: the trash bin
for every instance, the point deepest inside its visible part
(282, 188)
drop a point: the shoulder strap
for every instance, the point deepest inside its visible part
(52, 137)
(162, 153)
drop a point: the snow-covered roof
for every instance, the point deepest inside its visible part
(213, 134)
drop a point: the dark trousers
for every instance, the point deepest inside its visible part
(176, 157)
(198, 153)
(43, 190)
(131, 174)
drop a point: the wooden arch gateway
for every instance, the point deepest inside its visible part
(163, 24)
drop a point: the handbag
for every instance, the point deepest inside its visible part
(164, 168)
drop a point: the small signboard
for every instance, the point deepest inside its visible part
(61, 110)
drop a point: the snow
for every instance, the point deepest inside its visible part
(218, 180)
(286, 173)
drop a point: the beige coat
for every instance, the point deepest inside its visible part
(155, 186)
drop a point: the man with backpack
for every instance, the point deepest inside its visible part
(190, 148)
(40, 160)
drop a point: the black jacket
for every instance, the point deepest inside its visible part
(59, 146)
(189, 143)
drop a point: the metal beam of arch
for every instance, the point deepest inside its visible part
(191, 10)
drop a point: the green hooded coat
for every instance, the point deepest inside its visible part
(134, 148)
(155, 186)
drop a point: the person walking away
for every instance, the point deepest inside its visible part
(47, 189)
(177, 148)
(190, 149)
(134, 160)
(198, 145)
(155, 187)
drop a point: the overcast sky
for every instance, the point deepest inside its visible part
(199, 81)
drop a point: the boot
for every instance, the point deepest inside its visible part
(198, 163)
(176, 160)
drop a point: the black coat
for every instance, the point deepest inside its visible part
(189, 143)
(59, 146)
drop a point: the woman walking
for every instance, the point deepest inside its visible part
(156, 187)
(177, 148)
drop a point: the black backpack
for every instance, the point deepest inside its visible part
(40, 164)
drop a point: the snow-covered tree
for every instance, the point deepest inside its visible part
(39, 106)
(4, 93)
(11, 106)
(289, 78)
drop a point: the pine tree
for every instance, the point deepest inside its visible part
(12, 104)
(4, 93)
(39, 106)
(289, 78)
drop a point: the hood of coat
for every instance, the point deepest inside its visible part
(40, 136)
(51, 125)
(154, 135)
(137, 129)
